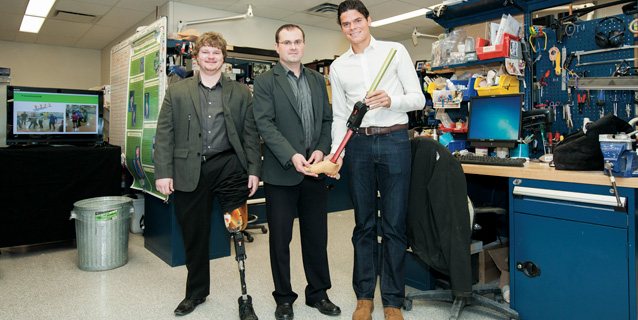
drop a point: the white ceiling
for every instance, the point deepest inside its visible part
(114, 17)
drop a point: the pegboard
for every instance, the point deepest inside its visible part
(582, 39)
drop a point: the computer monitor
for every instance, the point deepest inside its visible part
(495, 121)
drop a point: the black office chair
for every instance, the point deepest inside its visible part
(438, 203)
(252, 219)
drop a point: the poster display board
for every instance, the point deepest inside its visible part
(138, 95)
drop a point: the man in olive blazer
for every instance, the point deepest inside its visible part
(294, 119)
(178, 148)
(207, 145)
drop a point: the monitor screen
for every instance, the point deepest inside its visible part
(54, 116)
(495, 121)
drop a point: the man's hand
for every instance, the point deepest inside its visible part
(301, 164)
(378, 99)
(339, 163)
(253, 184)
(316, 157)
(164, 185)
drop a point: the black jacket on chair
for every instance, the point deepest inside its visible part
(438, 221)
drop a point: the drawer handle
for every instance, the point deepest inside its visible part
(529, 268)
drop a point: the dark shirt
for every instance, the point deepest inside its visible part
(301, 89)
(214, 135)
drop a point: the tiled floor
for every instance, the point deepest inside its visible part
(46, 283)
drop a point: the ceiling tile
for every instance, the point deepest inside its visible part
(109, 3)
(120, 17)
(80, 7)
(390, 9)
(307, 19)
(26, 37)
(217, 4)
(422, 3)
(14, 6)
(7, 35)
(266, 11)
(147, 6)
(10, 21)
(104, 33)
(58, 28)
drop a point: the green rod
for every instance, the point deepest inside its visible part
(384, 68)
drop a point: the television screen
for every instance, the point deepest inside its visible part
(54, 116)
(495, 121)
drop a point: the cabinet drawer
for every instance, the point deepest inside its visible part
(568, 201)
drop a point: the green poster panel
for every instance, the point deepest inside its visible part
(135, 104)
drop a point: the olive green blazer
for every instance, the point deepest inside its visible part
(178, 142)
(279, 123)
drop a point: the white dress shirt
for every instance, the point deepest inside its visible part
(351, 76)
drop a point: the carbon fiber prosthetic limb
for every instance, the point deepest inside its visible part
(236, 221)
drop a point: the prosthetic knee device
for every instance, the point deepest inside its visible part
(236, 221)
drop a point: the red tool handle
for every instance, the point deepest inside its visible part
(341, 146)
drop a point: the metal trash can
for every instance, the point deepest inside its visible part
(101, 229)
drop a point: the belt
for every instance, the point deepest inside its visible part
(382, 130)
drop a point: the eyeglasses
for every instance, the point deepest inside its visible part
(288, 43)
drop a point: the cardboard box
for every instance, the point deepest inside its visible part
(487, 269)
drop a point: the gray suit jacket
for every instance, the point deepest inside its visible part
(279, 122)
(178, 142)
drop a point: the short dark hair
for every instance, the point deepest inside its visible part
(288, 27)
(210, 39)
(352, 5)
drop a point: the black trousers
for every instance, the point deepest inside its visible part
(309, 200)
(221, 176)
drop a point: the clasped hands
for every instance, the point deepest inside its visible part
(317, 164)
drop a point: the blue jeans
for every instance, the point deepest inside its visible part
(379, 162)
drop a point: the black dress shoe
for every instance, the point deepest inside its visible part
(326, 307)
(284, 312)
(246, 311)
(187, 306)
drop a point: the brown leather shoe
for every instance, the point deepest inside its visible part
(364, 310)
(392, 314)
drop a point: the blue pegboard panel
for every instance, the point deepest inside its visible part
(582, 39)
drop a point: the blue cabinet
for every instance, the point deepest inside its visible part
(572, 256)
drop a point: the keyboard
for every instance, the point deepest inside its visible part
(491, 161)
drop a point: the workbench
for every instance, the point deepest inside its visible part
(572, 250)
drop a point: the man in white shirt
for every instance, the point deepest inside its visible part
(377, 157)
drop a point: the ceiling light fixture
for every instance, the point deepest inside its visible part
(405, 16)
(31, 24)
(39, 8)
(33, 18)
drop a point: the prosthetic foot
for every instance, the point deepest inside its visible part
(325, 166)
(236, 221)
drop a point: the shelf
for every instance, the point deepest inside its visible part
(475, 11)
(469, 64)
(606, 83)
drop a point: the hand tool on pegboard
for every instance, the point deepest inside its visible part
(601, 102)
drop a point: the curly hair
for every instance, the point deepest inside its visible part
(210, 39)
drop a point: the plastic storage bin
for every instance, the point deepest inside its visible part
(506, 85)
(484, 52)
(101, 229)
(469, 91)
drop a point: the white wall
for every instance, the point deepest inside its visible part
(257, 32)
(105, 64)
(422, 51)
(38, 65)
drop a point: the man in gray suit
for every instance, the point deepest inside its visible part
(294, 120)
(207, 145)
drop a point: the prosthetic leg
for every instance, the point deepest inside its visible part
(354, 122)
(236, 221)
